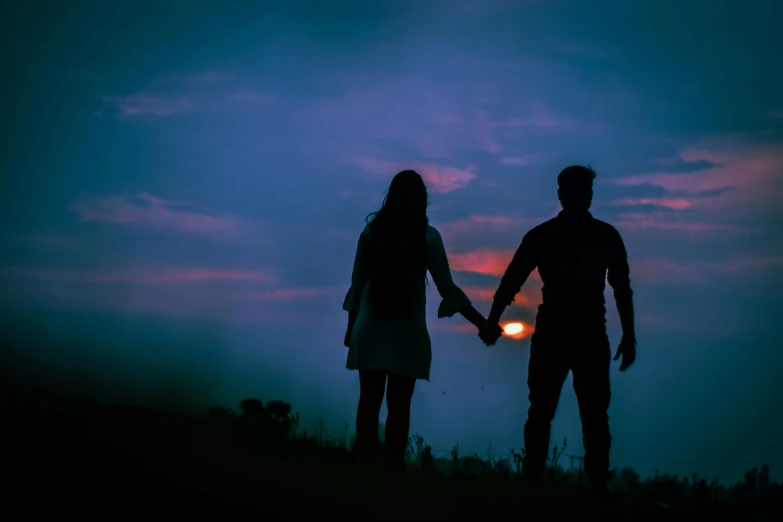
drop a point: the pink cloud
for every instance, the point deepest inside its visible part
(485, 261)
(491, 262)
(644, 220)
(153, 212)
(439, 178)
(672, 203)
(136, 275)
(751, 170)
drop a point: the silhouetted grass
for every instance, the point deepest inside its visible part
(75, 457)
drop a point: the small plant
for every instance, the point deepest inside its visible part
(489, 454)
(343, 441)
(517, 459)
(418, 447)
(455, 457)
(557, 452)
(427, 459)
(321, 429)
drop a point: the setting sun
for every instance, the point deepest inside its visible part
(513, 328)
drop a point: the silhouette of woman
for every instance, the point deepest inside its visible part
(387, 332)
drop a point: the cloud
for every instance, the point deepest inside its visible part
(439, 178)
(148, 105)
(202, 293)
(489, 262)
(477, 293)
(485, 129)
(515, 161)
(485, 231)
(672, 203)
(253, 97)
(135, 275)
(176, 94)
(295, 294)
(484, 261)
(152, 212)
(472, 225)
(483, 133)
(740, 171)
(645, 220)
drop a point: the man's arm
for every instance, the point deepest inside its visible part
(618, 275)
(523, 262)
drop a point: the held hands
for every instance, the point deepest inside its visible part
(626, 350)
(490, 333)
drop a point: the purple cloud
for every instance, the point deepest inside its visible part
(149, 211)
(439, 178)
(135, 275)
(169, 95)
(672, 203)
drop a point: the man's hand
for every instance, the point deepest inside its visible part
(626, 350)
(490, 333)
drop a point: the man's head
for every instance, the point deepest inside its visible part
(575, 187)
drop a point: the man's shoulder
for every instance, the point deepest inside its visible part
(604, 227)
(542, 228)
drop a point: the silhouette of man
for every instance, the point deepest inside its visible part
(574, 253)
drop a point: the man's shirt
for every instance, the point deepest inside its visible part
(575, 254)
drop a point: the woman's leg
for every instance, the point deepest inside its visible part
(398, 400)
(372, 384)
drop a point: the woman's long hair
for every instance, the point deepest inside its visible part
(397, 247)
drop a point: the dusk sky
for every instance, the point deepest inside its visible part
(183, 186)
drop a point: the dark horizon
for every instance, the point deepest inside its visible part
(185, 186)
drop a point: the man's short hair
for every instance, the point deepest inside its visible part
(576, 178)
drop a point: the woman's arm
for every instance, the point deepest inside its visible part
(454, 299)
(353, 298)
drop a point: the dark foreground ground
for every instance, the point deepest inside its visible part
(71, 458)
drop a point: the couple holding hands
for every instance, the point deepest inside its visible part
(389, 344)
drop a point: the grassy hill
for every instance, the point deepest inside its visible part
(66, 456)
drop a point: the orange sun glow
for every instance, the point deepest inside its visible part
(513, 328)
